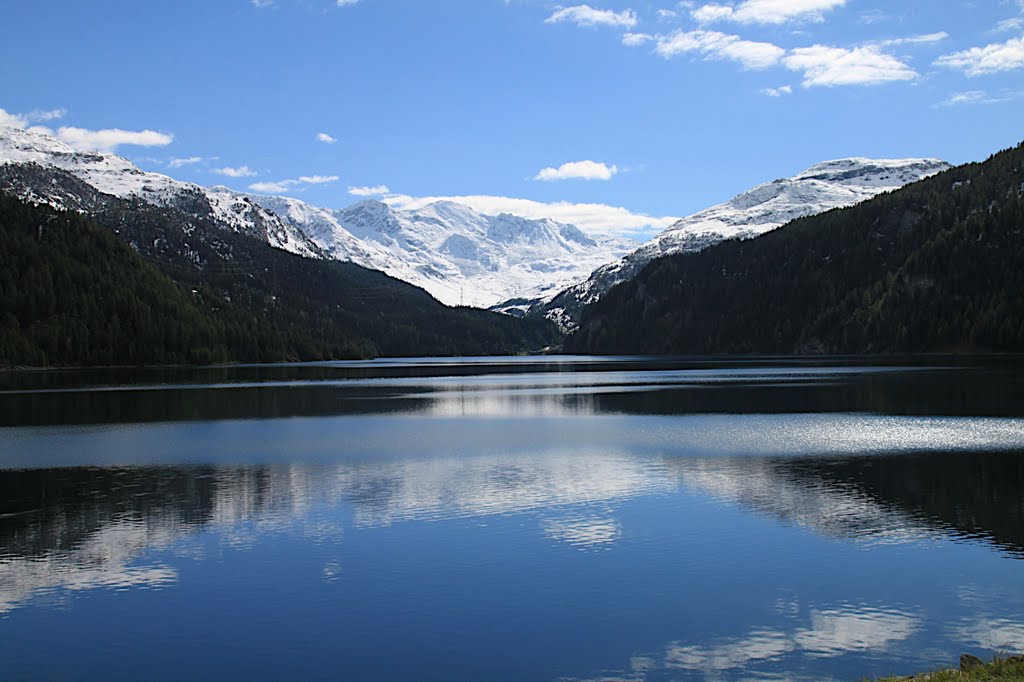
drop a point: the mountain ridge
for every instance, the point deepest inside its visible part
(931, 267)
(446, 248)
(822, 187)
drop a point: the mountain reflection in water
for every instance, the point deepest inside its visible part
(554, 519)
(78, 528)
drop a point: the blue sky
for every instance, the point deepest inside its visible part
(617, 114)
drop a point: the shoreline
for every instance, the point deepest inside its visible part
(971, 668)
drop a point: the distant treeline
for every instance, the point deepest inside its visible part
(73, 293)
(934, 266)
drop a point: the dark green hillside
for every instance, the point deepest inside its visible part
(72, 293)
(935, 266)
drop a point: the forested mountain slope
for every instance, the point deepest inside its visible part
(935, 266)
(72, 293)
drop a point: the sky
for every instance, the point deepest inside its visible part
(618, 115)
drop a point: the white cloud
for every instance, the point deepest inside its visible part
(187, 161)
(294, 184)
(711, 13)
(35, 116)
(110, 139)
(346, 3)
(51, 115)
(778, 92)
(578, 170)
(636, 39)
(969, 97)
(12, 120)
(715, 45)
(832, 66)
(874, 16)
(1009, 25)
(766, 11)
(917, 40)
(977, 97)
(240, 172)
(979, 61)
(595, 219)
(585, 15)
(262, 3)
(273, 187)
(325, 138)
(379, 190)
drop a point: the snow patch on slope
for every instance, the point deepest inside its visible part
(114, 175)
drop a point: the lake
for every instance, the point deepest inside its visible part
(558, 518)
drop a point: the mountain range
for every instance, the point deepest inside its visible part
(456, 254)
(460, 256)
(295, 275)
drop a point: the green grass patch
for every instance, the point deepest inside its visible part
(1002, 668)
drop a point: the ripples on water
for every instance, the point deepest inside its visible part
(580, 519)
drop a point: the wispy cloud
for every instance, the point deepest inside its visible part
(187, 161)
(108, 140)
(831, 66)
(636, 39)
(346, 3)
(376, 191)
(294, 184)
(778, 92)
(585, 15)
(325, 138)
(977, 97)
(38, 116)
(980, 61)
(34, 116)
(578, 170)
(766, 11)
(239, 172)
(923, 39)
(715, 45)
(317, 179)
(1010, 25)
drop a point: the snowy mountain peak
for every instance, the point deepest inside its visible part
(369, 217)
(822, 187)
(119, 177)
(449, 215)
(461, 255)
(859, 171)
(21, 146)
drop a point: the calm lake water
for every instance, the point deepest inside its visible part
(511, 519)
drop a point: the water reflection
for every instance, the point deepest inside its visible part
(82, 528)
(509, 386)
(826, 632)
(659, 519)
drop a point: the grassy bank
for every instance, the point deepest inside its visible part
(971, 669)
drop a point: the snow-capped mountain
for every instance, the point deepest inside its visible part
(822, 187)
(114, 175)
(456, 254)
